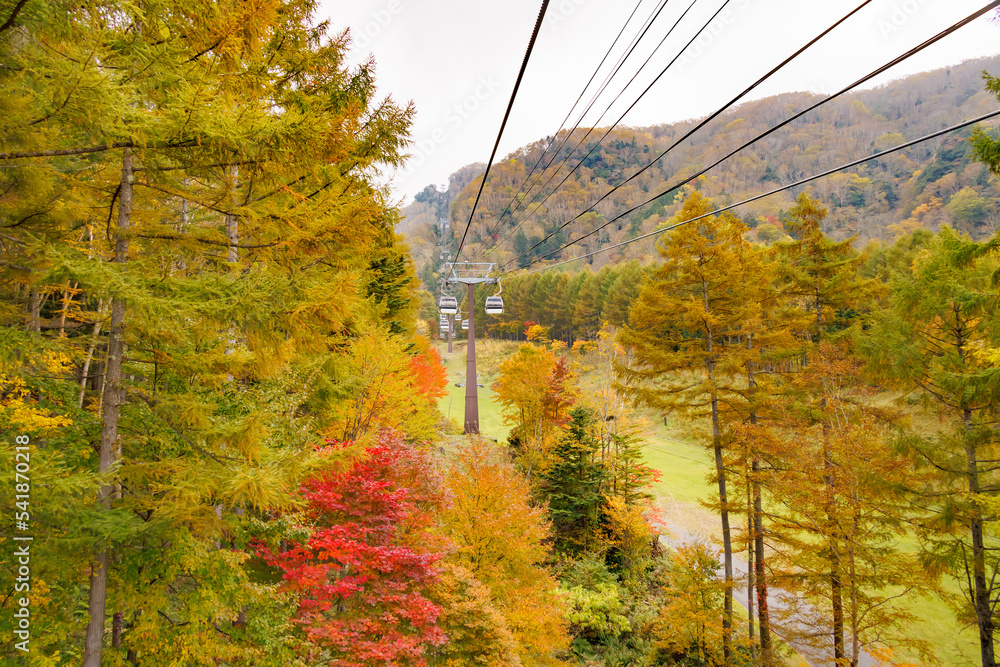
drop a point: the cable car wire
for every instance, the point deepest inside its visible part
(697, 127)
(570, 112)
(631, 106)
(800, 182)
(510, 104)
(647, 24)
(920, 47)
(569, 135)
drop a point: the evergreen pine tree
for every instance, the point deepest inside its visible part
(572, 484)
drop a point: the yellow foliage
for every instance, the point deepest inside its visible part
(630, 533)
(381, 392)
(984, 356)
(20, 410)
(538, 334)
(500, 538)
(691, 620)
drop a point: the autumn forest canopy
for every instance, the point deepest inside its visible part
(224, 399)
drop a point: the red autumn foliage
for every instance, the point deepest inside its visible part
(429, 376)
(361, 575)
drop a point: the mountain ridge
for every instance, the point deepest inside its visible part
(927, 185)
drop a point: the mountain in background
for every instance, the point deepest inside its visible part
(927, 185)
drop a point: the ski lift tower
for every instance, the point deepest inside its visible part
(471, 274)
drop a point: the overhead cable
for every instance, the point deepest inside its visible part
(631, 106)
(700, 125)
(800, 182)
(913, 51)
(647, 24)
(513, 95)
(549, 143)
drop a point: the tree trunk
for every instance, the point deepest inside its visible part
(980, 592)
(727, 546)
(836, 587)
(85, 372)
(720, 469)
(763, 618)
(837, 596)
(65, 306)
(113, 398)
(980, 589)
(116, 629)
(233, 223)
(853, 579)
(750, 572)
(35, 311)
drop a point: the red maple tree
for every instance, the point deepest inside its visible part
(361, 574)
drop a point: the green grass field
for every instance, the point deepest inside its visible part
(453, 405)
(685, 468)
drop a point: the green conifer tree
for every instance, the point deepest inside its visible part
(572, 484)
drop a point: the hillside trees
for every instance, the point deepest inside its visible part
(571, 484)
(820, 276)
(987, 148)
(872, 201)
(839, 510)
(378, 384)
(617, 428)
(536, 388)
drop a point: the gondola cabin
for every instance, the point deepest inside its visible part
(448, 305)
(494, 305)
(465, 325)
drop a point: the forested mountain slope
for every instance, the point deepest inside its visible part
(923, 186)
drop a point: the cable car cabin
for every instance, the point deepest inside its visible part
(448, 305)
(494, 305)
(465, 325)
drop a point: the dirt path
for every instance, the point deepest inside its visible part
(689, 523)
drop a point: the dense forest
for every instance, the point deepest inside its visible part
(219, 393)
(924, 186)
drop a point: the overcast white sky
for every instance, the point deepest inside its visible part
(457, 60)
